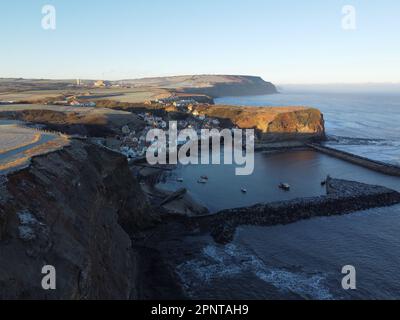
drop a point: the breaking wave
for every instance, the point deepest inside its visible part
(230, 261)
(375, 149)
(339, 140)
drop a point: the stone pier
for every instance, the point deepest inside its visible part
(342, 197)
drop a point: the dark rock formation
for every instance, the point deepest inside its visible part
(72, 209)
(342, 197)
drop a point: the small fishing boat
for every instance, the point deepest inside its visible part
(244, 190)
(204, 177)
(284, 186)
(202, 181)
(179, 179)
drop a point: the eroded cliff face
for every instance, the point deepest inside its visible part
(72, 209)
(272, 123)
(303, 124)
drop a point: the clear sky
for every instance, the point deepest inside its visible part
(285, 41)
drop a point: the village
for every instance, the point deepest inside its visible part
(134, 145)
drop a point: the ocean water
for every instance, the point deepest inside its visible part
(367, 124)
(297, 261)
(303, 170)
(303, 260)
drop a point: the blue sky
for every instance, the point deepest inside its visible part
(285, 41)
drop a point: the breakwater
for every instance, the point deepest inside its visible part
(361, 161)
(342, 197)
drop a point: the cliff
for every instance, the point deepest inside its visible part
(272, 123)
(234, 86)
(72, 209)
(210, 85)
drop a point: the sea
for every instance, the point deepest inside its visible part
(363, 123)
(303, 260)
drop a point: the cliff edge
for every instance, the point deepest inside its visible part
(213, 86)
(232, 86)
(72, 209)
